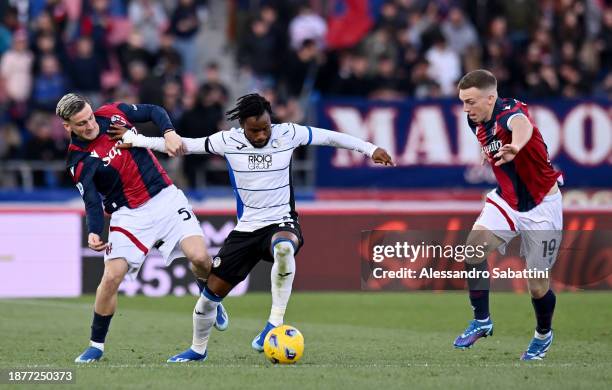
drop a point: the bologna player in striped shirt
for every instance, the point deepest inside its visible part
(527, 203)
(146, 209)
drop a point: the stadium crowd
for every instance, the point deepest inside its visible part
(146, 51)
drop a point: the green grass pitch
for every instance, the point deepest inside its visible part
(353, 341)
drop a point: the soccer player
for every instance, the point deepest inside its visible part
(147, 209)
(527, 203)
(258, 156)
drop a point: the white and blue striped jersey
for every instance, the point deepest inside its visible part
(261, 177)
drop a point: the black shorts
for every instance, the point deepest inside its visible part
(241, 251)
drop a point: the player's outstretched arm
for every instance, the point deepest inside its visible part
(131, 139)
(138, 113)
(346, 141)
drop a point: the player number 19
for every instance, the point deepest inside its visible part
(549, 247)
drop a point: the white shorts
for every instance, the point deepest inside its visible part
(162, 222)
(540, 228)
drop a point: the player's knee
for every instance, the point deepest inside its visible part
(201, 260)
(283, 251)
(538, 288)
(111, 281)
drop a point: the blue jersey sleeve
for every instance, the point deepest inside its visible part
(138, 113)
(83, 174)
(510, 110)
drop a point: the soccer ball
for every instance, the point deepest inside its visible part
(284, 345)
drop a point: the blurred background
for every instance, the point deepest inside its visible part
(382, 70)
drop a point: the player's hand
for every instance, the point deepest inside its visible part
(380, 156)
(174, 144)
(506, 154)
(95, 243)
(116, 132)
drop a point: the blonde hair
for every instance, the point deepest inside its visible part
(69, 105)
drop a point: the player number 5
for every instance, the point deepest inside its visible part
(182, 210)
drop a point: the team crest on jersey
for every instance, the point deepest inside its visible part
(275, 143)
(260, 161)
(216, 262)
(118, 120)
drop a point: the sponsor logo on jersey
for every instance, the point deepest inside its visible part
(114, 152)
(492, 147)
(260, 161)
(109, 248)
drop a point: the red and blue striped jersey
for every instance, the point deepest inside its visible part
(524, 181)
(114, 177)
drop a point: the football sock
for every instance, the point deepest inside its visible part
(544, 308)
(99, 328)
(479, 291)
(480, 304)
(204, 315)
(281, 278)
(201, 284)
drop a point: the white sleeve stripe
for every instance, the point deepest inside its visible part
(512, 116)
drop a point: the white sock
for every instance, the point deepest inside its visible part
(281, 278)
(541, 336)
(100, 346)
(204, 315)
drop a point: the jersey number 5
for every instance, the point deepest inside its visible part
(186, 213)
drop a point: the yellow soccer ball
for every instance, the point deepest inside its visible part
(284, 345)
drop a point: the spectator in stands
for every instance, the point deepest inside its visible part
(357, 81)
(204, 119)
(50, 85)
(459, 32)
(444, 65)
(43, 147)
(300, 66)
(16, 68)
(185, 26)
(10, 142)
(422, 85)
(46, 44)
(134, 50)
(380, 43)
(212, 83)
(388, 82)
(604, 42)
(258, 53)
(85, 70)
(149, 19)
(172, 100)
(307, 25)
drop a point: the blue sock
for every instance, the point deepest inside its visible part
(99, 327)
(480, 303)
(544, 308)
(201, 284)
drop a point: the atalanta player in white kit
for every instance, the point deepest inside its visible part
(527, 202)
(258, 156)
(146, 209)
